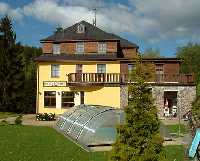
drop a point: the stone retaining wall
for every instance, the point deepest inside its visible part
(185, 97)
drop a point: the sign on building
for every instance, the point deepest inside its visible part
(54, 84)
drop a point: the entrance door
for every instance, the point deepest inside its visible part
(82, 97)
(170, 103)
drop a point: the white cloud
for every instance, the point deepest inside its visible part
(51, 11)
(85, 3)
(5, 9)
(151, 20)
(174, 18)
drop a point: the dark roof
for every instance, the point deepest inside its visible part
(91, 33)
(155, 60)
(97, 57)
(76, 57)
(162, 59)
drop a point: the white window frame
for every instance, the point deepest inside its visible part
(159, 68)
(56, 49)
(50, 97)
(101, 71)
(63, 97)
(80, 47)
(102, 47)
(131, 67)
(55, 73)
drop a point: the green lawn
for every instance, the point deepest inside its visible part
(4, 115)
(174, 152)
(174, 128)
(29, 143)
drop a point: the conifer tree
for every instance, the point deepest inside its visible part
(138, 138)
(11, 68)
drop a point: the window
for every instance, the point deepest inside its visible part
(101, 68)
(131, 67)
(50, 99)
(55, 72)
(102, 47)
(159, 73)
(159, 69)
(80, 47)
(67, 99)
(80, 28)
(56, 49)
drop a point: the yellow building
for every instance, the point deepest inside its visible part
(80, 65)
(83, 64)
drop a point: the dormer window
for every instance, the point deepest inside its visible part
(80, 28)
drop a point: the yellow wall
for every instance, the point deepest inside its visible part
(109, 96)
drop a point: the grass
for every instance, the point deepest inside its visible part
(4, 115)
(33, 143)
(174, 152)
(174, 128)
(28, 143)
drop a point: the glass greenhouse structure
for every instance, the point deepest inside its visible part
(90, 125)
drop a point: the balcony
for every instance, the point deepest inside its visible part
(95, 78)
(117, 78)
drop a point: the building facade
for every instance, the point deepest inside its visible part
(85, 65)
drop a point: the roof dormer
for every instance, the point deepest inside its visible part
(80, 28)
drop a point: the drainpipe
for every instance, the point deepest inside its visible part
(37, 94)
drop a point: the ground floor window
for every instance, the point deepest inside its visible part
(50, 99)
(67, 99)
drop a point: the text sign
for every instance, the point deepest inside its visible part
(54, 84)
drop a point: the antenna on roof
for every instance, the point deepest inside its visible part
(95, 16)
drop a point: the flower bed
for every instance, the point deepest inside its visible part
(45, 117)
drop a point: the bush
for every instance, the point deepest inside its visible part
(45, 117)
(4, 122)
(18, 120)
(196, 107)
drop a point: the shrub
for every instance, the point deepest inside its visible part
(45, 117)
(18, 120)
(4, 122)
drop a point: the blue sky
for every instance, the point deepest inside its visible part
(148, 23)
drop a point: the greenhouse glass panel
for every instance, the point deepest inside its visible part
(90, 125)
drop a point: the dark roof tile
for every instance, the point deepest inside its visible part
(91, 33)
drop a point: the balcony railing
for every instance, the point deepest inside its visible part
(116, 78)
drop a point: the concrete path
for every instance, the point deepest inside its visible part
(29, 119)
